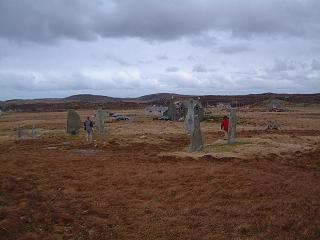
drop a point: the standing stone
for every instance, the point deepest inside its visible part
(22, 133)
(19, 132)
(232, 126)
(33, 131)
(100, 121)
(192, 127)
(196, 136)
(273, 126)
(189, 122)
(73, 122)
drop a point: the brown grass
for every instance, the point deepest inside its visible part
(139, 182)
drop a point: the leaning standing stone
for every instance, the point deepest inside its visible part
(73, 122)
(232, 126)
(196, 136)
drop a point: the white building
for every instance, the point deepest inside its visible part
(155, 111)
(224, 105)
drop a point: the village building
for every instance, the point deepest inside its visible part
(155, 111)
(224, 105)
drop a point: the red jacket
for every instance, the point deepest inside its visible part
(225, 124)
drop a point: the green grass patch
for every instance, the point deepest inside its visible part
(224, 147)
(218, 119)
(213, 118)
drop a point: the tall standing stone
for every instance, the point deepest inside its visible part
(189, 124)
(73, 122)
(192, 127)
(19, 132)
(196, 136)
(232, 126)
(100, 121)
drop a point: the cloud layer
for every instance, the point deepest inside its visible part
(47, 21)
(135, 47)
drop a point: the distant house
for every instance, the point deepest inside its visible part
(222, 105)
(177, 110)
(156, 111)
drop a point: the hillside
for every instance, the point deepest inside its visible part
(88, 101)
(89, 98)
(251, 99)
(161, 97)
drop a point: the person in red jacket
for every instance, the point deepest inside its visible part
(225, 125)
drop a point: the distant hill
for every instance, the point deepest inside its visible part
(251, 99)
(161, 96)
(273, 102)
(88, 101)
(89, 98)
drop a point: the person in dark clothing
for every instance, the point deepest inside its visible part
(225, 125)
(88, 127)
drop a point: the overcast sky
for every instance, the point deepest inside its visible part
(129, 48)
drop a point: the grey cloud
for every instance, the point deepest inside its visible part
(283, 65)
(285, 75)
(199, 68)
(191, 58)
(172, 69)
(36, 81)
(116, 59)
(162, 57)
(315, 65)
(203, 40)
(185, 80)
(267, 85)
(33, 81)
(233, 49)
(292, 74)
(295, 79)
(47, 21)
(145, 61)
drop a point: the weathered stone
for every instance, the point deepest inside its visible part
(73, 122)
(192, 127)
(273, 126)
(196, 136)
(19, 132)
(178, 110)
(189, 122)
(34, 131)
(100, 121)
(23, 133)
(232, 126)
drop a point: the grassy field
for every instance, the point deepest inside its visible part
(139, 181)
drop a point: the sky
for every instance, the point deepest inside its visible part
(130, 48)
